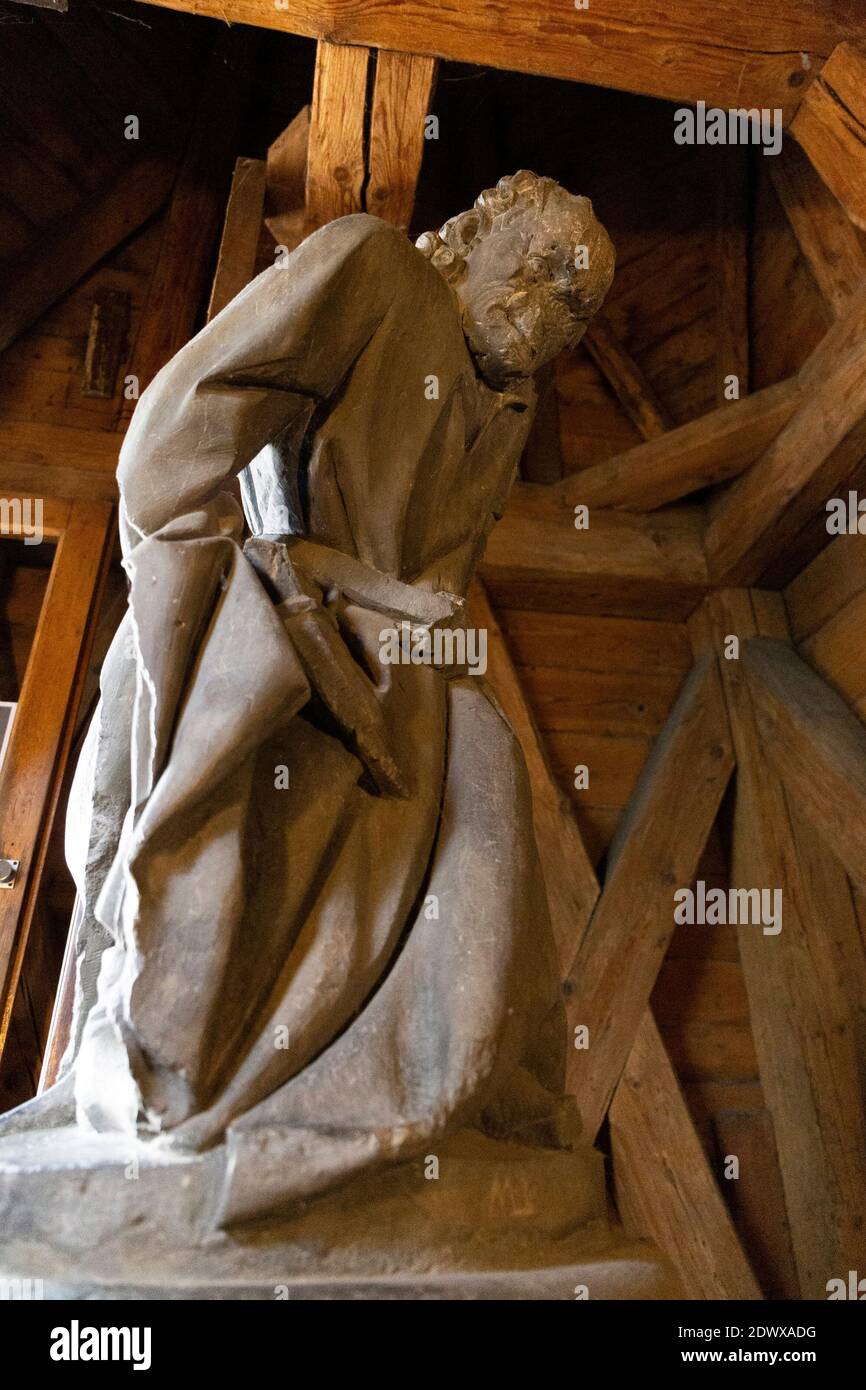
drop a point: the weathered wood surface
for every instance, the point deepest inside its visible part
(38, 459)
(708, 450)
(831, 127)
(824, 233)
(656, 850)
(623, 563)
(336, 166)
(106, 343)
(762, 54)
(401, 102)
(662, 1180)
(815, 745)
(802, 981)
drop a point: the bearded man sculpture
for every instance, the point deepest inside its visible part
(314, 961)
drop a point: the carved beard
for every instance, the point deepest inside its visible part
(513, 331)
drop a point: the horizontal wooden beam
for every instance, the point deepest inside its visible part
(815, 453)
(655, 851)
(623, 564)
(815, 745)
(57, 461)
(762, 54)
(705, 451)
(831, 127)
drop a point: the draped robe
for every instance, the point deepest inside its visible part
(279, 955)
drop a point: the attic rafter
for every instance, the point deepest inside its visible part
(805, 982)
(656, 849)
(824, 233)
(684, 1212)
(831, 127)
(763, 54)
(711, 449)
(624, 376)
(815, 745)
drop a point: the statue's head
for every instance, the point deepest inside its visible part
(530, 264)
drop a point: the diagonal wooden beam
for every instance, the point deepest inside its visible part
(831, 127)
(709, 450)
(336, 159)
(815, 745)
(679, 1206)
(803, 982)
(662, 1180)
(236, 261)
(572, 887)
(401, 102)
(64, 255)
(824, 233)
(623, 563)
(656, 850)
(624, 376)
(823, 443)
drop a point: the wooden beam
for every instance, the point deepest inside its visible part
(824, 233)
(656, 850)
(285, 179)
(572, 888)
(336, 165)
(64, 255)
(831, 127)
(684, 1214)
(815, 745)
(236, 262)
(731, 270)
(623, 564)
(627, 381)
(801, 981)
(401, 103)
(814, 454)
(57, 461)
(709, 450)
(662, 1181)
(763, 54)
(35, 759)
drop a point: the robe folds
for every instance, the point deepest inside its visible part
(314, 930)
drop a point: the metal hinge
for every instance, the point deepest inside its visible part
(8, 872)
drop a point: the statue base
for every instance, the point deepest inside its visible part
(98, 1216)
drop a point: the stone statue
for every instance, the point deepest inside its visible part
(315, 961)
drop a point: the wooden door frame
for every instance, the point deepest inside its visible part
(32, 773)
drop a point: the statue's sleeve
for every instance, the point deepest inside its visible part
(287, 339)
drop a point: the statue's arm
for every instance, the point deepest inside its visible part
(288, 339)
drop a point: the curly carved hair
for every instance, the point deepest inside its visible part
(563, 224)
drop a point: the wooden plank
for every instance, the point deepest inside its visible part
(822, 443)
(656, 850)
(572, 888)
(624, 563)
(62, 256)
(731, 270)
(763, 54)
(236, 262)
(401, 102)
(35, 759)
(703, 452)
(757, 1198)
(824, 234)
(335, 155)
(807, 1026)
(831, 127)
(838, 652)
(825, 586)
(285, 182)
(815, 745)
(56, 460)
(662, 1180)
(627, 381)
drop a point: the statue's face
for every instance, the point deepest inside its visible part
(512, 318)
